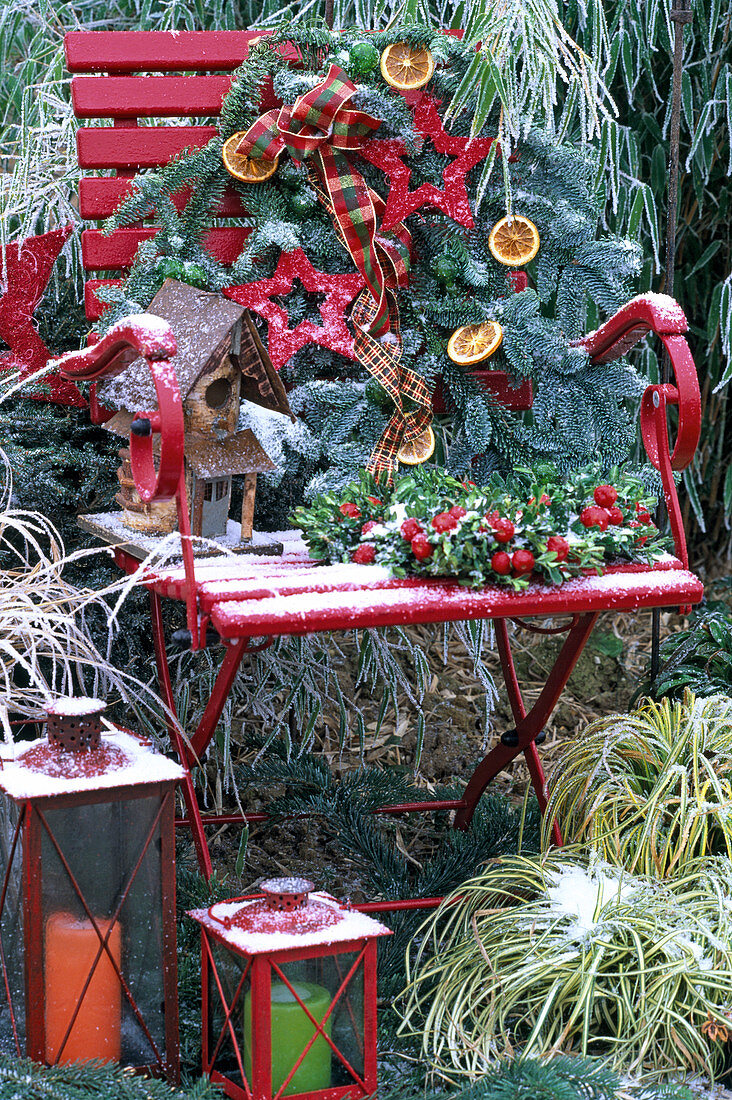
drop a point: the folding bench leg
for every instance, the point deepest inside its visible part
(190, 752)
(528, 724)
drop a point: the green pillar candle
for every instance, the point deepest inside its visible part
(292, 1030)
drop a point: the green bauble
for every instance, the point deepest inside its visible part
(303, 202)
(364, 57)
(169, 267)
(446, 270)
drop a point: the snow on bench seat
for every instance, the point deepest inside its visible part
(342, 597)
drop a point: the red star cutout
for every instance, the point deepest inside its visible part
(387, 155)
(26, 271)
(282, 341)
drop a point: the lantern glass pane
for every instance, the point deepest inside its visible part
(11, 931)
(101, 865)
(317, 983)
(233, 975)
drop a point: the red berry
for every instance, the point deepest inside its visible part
(543, 499)
(503, 530)
(410, 529)
(501, 563)
(605, 495)
(559, 546)
(443, 521)
(422, 548)
(457, 511)
(592, 516)
(615, 516)
(492, 516)
(368, 526)
(522, 561)
(350, 509)
(364, 554)
(640, 539)
(644, 517)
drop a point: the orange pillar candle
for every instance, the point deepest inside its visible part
(71, 946)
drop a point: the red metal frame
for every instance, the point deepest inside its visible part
(252, 608)
(259, 969)
(126, 93)
(30, 828)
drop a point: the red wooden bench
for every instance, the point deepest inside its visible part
(249, 599)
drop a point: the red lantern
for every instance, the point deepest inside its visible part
(87, 908)
(289, 995)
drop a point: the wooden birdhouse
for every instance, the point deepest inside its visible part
(220, 359)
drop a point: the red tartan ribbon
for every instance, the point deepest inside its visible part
(319, 125)
(383, 359)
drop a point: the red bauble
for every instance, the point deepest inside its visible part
(559, 546)
(364, 554)
(283, 342)
(387, 155)
(410, 529)
(593, 516)
(443, 521)
(522, 561)
(615, 516)
(503, 530)
(501, 563)
(422, 548)
(457, 511)
(26, 270)
(350, 509)
(605, 495)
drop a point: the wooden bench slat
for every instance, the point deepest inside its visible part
(156, 51)
(117, 251)
(92, 306)
(147, 97)
(99, 196)
(137, 147)
(397, 603)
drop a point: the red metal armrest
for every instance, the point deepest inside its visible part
(662, 315)
(150, 337)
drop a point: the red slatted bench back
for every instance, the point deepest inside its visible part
(134, 77)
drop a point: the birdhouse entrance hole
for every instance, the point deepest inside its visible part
(218, 393)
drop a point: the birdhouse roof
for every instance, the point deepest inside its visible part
(201, 321)
(237, 454)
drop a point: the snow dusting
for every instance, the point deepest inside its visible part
(349, 925)
(584, 896)
(138, 763)
(69, 706)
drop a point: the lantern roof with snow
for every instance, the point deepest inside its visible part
(37, 769)
(286, 917)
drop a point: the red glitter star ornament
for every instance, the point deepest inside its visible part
(282, 341)
(25, 269)
(387, 154)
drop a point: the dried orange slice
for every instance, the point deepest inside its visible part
(474, 343)
(417, 450)
(514, 241)
(244, 168)
(406, 67)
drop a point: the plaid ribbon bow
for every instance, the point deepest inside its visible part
(383, 359)
(320, 126)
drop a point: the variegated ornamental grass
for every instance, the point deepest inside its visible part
(541, 954)
(650, 790)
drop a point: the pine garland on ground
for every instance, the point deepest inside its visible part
(21, 1079)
